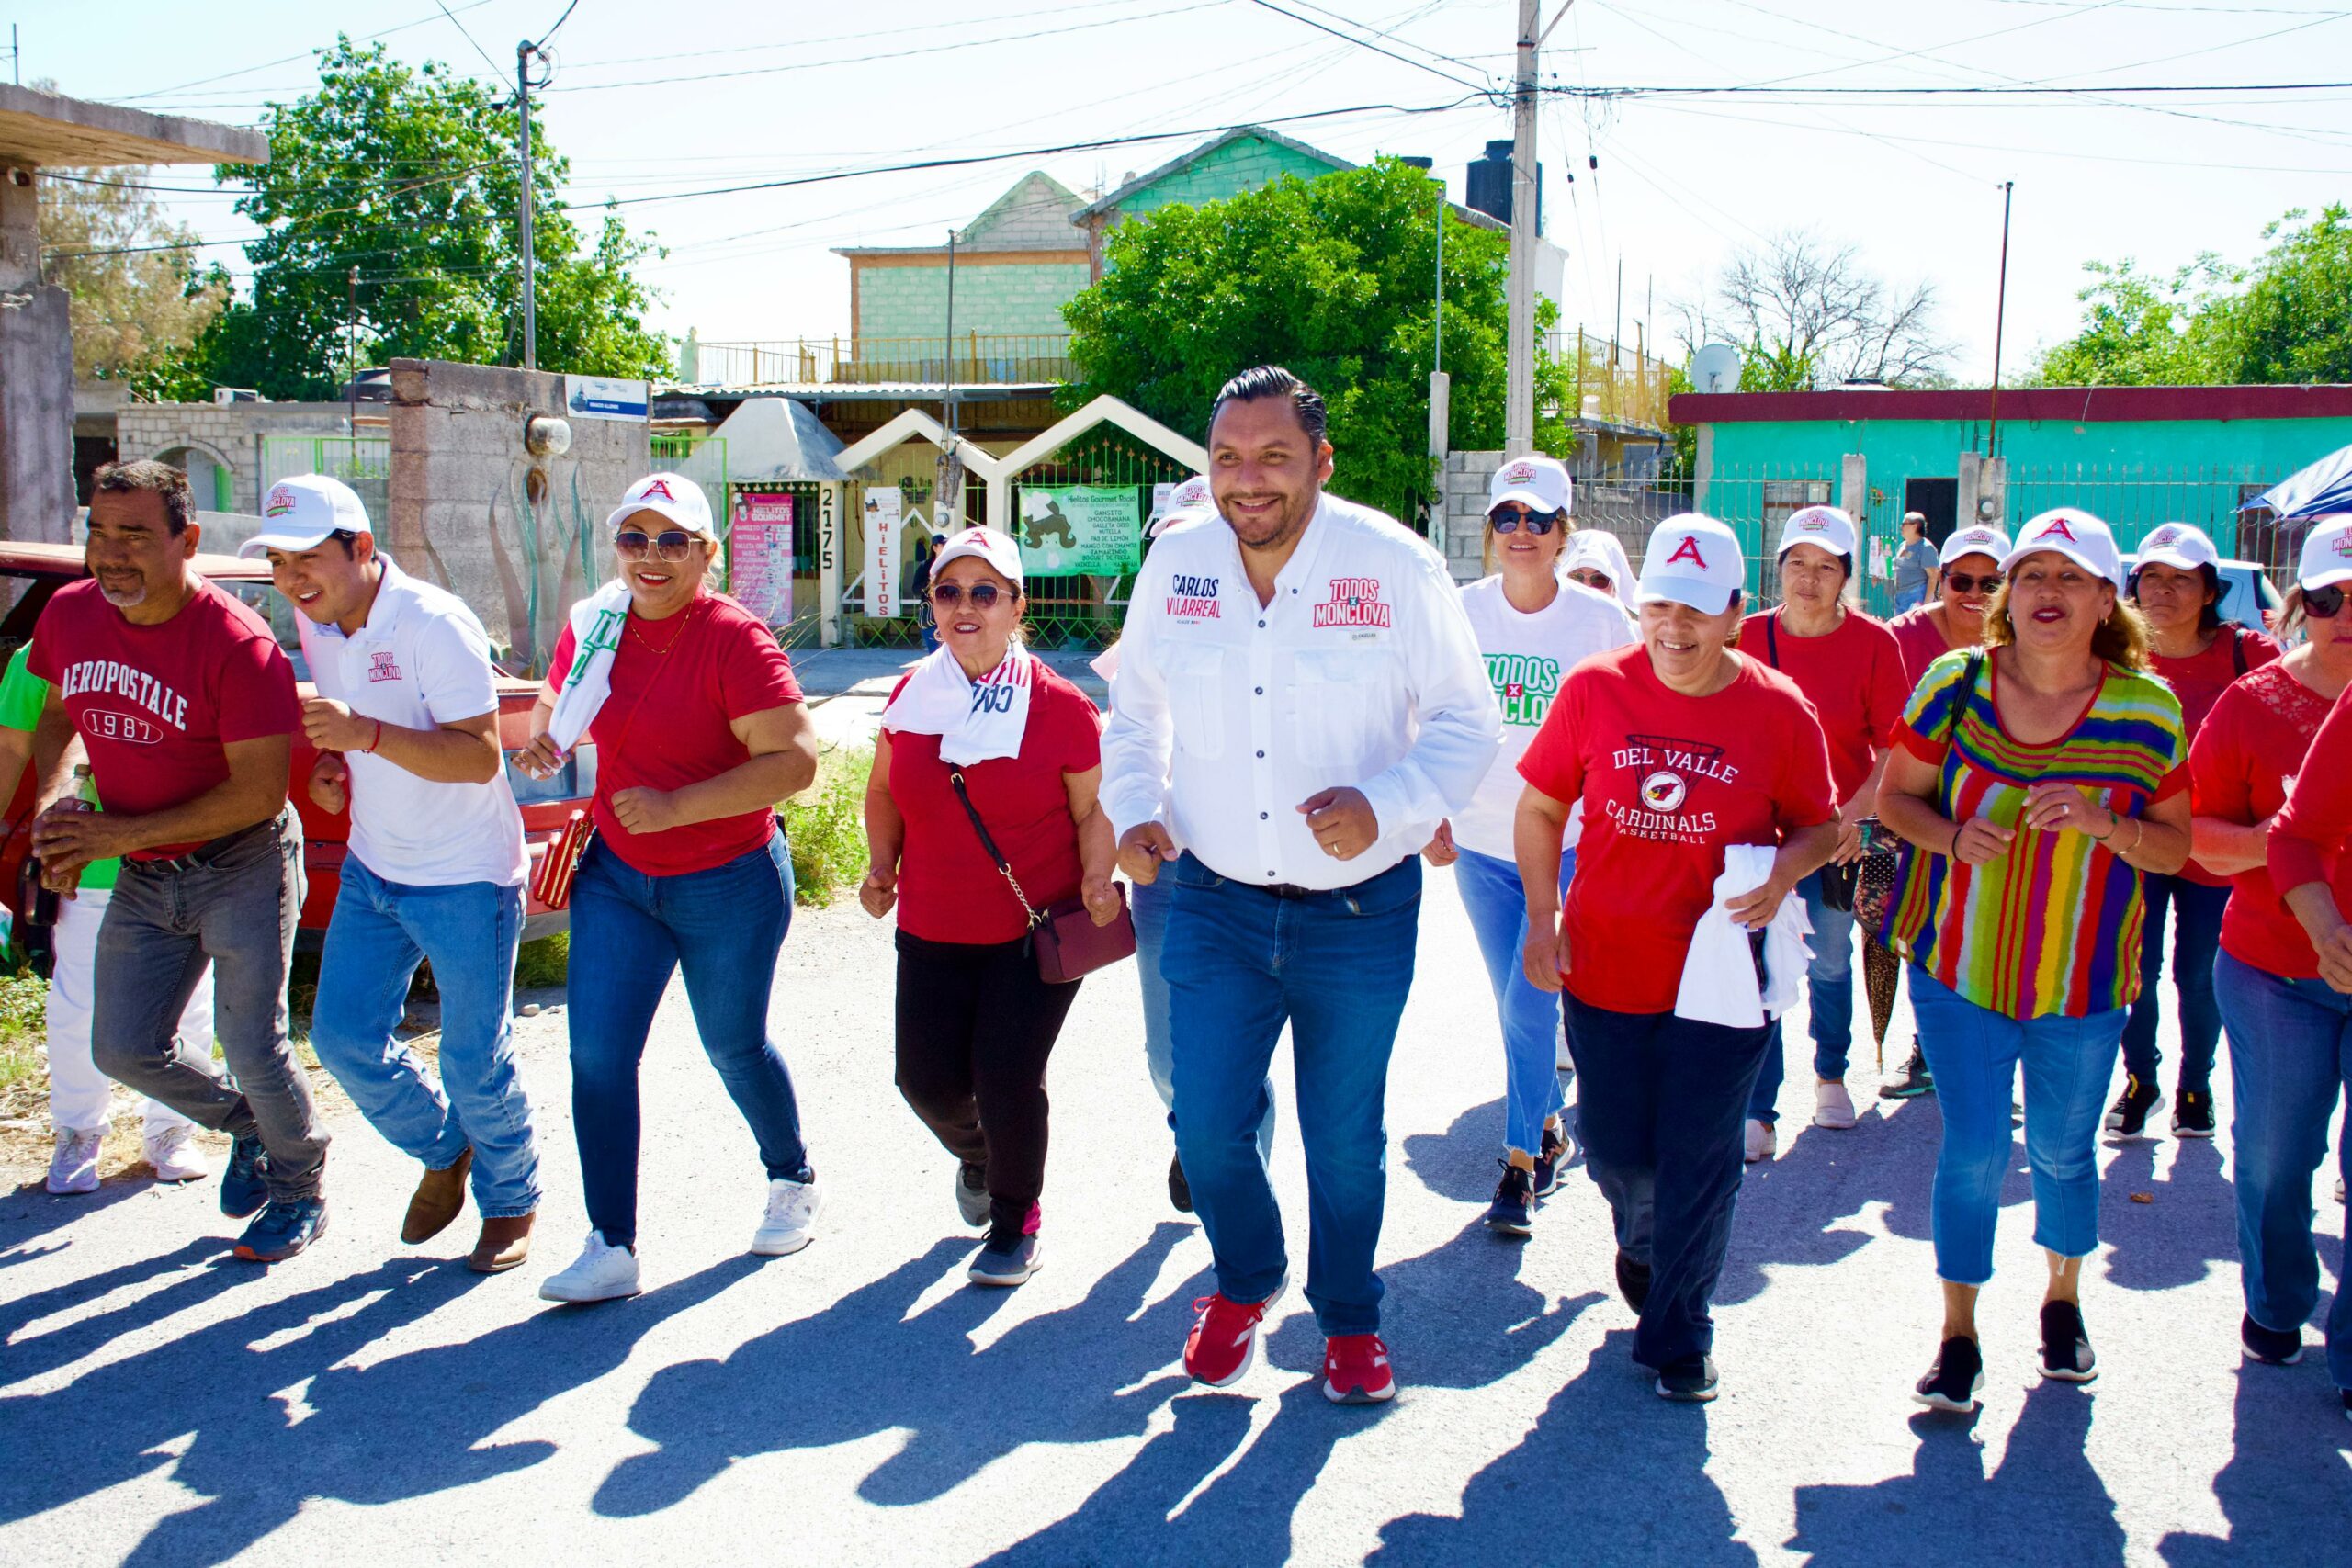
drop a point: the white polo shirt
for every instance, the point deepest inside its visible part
(1360, 672)
(421, 661)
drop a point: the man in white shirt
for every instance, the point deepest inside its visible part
(406, 725)
(1299, 702)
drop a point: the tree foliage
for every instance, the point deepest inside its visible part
(1335, 278)
(408, 175)
(1810, 314)
(135, 297)
(2285, 319)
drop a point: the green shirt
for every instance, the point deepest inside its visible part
(23, 695)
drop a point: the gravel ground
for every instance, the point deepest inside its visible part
(856, 1403)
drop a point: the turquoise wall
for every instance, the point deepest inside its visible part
(1007, 299)
(1238, 166)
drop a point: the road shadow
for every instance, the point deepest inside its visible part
(258, 1414)
(1459, 1163)
(2187, 1224)
(29, 1212)
(2283, 1491)
(1611, 1473)
(2045, 1504)
(30, 1356)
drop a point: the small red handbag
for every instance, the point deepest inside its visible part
(551, 881)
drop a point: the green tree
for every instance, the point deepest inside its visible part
(2294, 323)
(135, 295)
(2140, 330)
(1332, 277)
(408, 175)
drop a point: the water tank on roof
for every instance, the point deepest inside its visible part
(1489, 185)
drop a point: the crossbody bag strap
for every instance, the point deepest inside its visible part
(1966, 694)
(1772, 639)
(2237, 648)
(1004, 867)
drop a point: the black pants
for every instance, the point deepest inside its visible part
(976, 1025)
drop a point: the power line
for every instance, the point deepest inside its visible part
(548, 36)
(290, 59)
(470, 38)
(1365, 43)
(2023, 89)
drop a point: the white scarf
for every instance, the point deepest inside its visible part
(977, 721)
(597, 622)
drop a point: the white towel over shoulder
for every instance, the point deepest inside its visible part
(977, 721)
(1719, 976)
(597, 622)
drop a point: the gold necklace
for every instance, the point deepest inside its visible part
(684, 622)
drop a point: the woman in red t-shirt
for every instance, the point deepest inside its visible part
(2177, 587)
(2272, 775)
(976, 1022)
(699, 732)
(1678, 749)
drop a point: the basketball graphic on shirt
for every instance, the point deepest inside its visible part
(1663, 791)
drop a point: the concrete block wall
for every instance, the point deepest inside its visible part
(518, 538)
(1011, 298)
(1463, 500)
(1035, 215)
(1239, 166)
(203, 436)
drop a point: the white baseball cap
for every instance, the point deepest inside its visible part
(674, 496)
(1187, 502)
(999, 552)
(2327, 552)
(2179, 545)
(1976, 539)
(2079, 537)
(1695, 560)
(1537, 482)
(1596, 549)
(299, 514)
(1825, 526)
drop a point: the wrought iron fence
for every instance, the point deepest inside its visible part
(2133, 499)
(1753, 503)
(976, 359)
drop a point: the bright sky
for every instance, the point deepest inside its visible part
(648, 102)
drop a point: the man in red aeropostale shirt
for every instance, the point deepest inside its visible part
(186, 707)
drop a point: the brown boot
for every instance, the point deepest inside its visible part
(503, 1244)
(439, 1199)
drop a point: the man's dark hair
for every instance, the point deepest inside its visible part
(1274, 381)
(348, 538)
(162, 478)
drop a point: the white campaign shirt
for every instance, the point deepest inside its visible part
(421, 661)
(1527, 658)
(1360, 672)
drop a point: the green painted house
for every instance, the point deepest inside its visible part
(1239, 160)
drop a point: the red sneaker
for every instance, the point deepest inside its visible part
(1224, 1341)
(1355, 1370)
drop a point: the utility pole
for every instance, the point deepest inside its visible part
(523, 55)
(2000, 313)
(351, 352)
(947, 391)
(1519, 384)
(16, 55)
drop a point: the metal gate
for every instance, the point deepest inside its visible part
(1084, 611)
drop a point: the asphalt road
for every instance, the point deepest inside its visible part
(857, 1404)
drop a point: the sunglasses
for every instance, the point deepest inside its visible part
(2324, 603)
(1590, 579)
(1508, 520)
(984, 595)
(1967, 584)
(631, 544)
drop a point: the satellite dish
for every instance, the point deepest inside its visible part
(1715, 368)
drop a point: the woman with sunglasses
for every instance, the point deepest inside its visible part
(2177, 587)
(2270, 765)
(699, 730)
(982, 743)
(1533, 629)
(1968, 573)
(1595, 558)
(2038, 781)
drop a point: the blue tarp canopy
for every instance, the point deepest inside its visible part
(2325, 487)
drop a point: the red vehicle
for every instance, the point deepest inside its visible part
(34, 571)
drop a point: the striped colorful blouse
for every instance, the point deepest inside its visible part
(2053, 927)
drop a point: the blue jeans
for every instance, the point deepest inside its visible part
(2290, 1057)
(1659, 1102)
(723, 928)
(1240, 962)
(1829, 1001)
(2197, 938)
(1496, 901)
(1974, 1053)
(1147, 903)
(468, 931)
(1911, 598)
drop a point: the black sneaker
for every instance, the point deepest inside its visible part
(1914, 1080)
(1180, 1191)
(972, 1194)
(2066, 1344)
(2128, 1115)
(283, 1229)
(2271, 1347)
(1548, 1160)
(1513, 1210)
(1952, 1382)
(1633, 1281)
(1690, 1380)
(2192, 1113)
(245, 1185)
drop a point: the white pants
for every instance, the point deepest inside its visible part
(78, 1092)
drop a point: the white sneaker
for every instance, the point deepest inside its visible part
(1763, 1140)
(1561, 1060)
(73, 1167)
(1832, 1106)
(601, 1273)
(176, 1154)
(790, 1221)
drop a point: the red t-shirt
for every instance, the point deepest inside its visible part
(723, 666)
(2199, 682)
(2251, 744)
(1667, 781)
(1920, 640)
(2307, 837)
(949, 890)
(1854, 679)
(156, 704)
